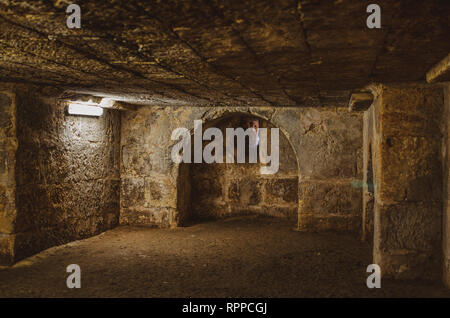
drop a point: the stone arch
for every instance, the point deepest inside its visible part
(181, 171)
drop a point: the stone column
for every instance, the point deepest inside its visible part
(446, 175)
(8, 146)
(408, 181)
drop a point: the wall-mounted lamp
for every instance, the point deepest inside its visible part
(84, 109)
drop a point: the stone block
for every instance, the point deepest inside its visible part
(281, 190)
(6, 116)
(348, 223)
(328, 198)
(246, 192)
(411, 169)
(411, 226)
(204, 187)
(328, 144)
(6, 249)
(135, 161)
(160, 192)
(411, 111)
(215, 210)
(132, 192)
(157, 217)
(288, 159)
(289, 212)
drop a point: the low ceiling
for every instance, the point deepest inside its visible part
(211, 52)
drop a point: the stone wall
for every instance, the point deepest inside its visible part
(446, 192)
(403, 129)
(327, 143)
(8, 146)
(223, 190)
(67, 173)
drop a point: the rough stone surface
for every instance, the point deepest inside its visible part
(403, 130)
(446, 184)
(67, 173)
(259, 53)
(8, 146)
(323, 151)
(330, 205)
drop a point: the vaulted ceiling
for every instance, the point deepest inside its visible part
(242, 52)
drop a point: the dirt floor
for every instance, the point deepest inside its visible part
(241, 257)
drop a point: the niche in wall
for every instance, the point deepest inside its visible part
(220, 190)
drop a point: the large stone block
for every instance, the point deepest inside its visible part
(328, 144)
(413, 226)
(160, 191)
(161, 161)
(216, 210)
(158, 217)
(132, 132)
(6, 115)
(206, 186)
(7, 249)
(281, 190)
(287, 119)
(341, 223)
(409, 110)
(411, 169)
(328, 198)
(288, 159)
(289, 212)
(7, 165)
(409, 265)
(135, 161)
(245, 192)
(132, 192)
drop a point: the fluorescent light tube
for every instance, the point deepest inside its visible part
(85, 110)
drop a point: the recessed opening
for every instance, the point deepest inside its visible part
(222, 190)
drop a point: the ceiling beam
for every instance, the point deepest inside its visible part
(440, 72)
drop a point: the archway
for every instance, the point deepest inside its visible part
(220, 190)
(368, 201)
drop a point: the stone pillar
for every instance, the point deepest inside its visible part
(408, 181)
(446, 175)
(8, 146)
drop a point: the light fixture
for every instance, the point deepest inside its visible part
(85, 109)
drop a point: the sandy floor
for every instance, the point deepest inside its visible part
(244, 257)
